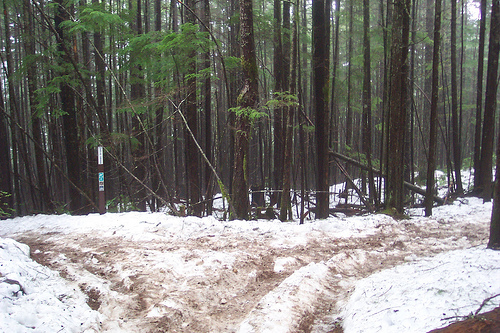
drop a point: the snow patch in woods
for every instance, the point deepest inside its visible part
(425, 294)
(35, 298)
(412, 297)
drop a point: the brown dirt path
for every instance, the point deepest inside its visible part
(214, 283)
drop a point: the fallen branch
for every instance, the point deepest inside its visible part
(353, 185)
(360, 165)
(484, 303)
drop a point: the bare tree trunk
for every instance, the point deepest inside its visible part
(491, 92)
(70, 126)
(320, 86)
(457, 145)
(6, 195)
(367, 100)
(44, 194)
(286, 209)
(247, 100)
(490, 102)
(137, 93)
(207, 102)
(334, 107)
(431, 164)
(479, 97)
(398, 103)
(192, 158)
(349, 116)
(278, 111)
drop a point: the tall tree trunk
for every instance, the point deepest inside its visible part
(207, 102)
(457, 145)
(192, 159)
(247, 100)
(494, 241)
(479, 97)
(157, 155)
(285, 207)
(24, 197)
(334, 105)
(426, 103)
(70, 127)
(235, 82)
(6, 195)
(367, 99)
(44, 194)
(490, 102)
(320, 87)
(278, 111)
(431, 164)
(349, 115)
(137, 93)
(398, 103)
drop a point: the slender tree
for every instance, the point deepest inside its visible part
(67, 96)
(491, 92)
(278, 111)
(431, 164)
(320, 97)
(490, 103)
(44, 194)
(285, 207)
(455, 123)
(137, 93)
(334, 104)
(367, 99)
(207, 105)
(247, 101)
(479, 97)
(6, 198)
(398, 103)
(192, 163)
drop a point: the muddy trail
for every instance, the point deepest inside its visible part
(237, 282)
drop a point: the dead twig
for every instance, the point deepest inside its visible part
(484, 303)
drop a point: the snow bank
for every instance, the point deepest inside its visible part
(35, 298)
(419, 296)
(279, 310)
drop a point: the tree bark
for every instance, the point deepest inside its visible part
(207, 102)
(457, 145)
(479, 97)
(494, 240)
(44, 194)
(137, 93)
(192, 158)
(431, 164)
(6, 190)
(320, 87)
(398, 103)
(70, 127)
(490, 102)
(247, 100)
(278, 111)
(285, 207)
(367, 100)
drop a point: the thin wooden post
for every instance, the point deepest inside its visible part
(100, 170)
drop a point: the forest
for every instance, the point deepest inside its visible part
(264, 103)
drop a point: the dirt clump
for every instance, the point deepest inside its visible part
(488, 322)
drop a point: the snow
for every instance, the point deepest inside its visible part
(418, 296)
(35, 298)
(435, 268)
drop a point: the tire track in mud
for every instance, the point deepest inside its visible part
(217, 282)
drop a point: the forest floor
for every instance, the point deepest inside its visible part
(225, 281)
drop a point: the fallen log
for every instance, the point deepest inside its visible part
(360, 165)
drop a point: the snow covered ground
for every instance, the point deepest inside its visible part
(144, 272)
